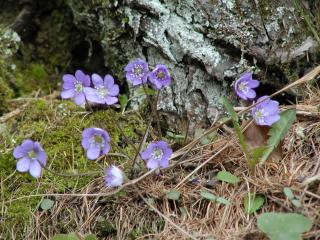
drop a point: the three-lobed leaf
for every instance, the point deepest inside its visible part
(208, 196)
(253, 203)
(173, 194)
(211, 197)
(278, 131)
(288, 192)
(46, 204)
(227, 177)
(283, 226)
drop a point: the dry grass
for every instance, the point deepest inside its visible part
(125, 214)
(142, 211)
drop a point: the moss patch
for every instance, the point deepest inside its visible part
(58, 126)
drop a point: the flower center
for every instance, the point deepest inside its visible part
(137, 70)
(78, 87)
(32, 155)
(102, 92)
(243, 87)
(157, 154)
(260, 114)
(161, 75)
(97, 140)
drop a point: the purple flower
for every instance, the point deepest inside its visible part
(96, 142)
(244, 85)
(31, 157)
(74, 86)
(114, 177)
(157, 155)
(105, 91)
(266, 112)
(160, 76)
(137, 71)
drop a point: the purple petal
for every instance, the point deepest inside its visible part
(251, 93)
(91, 95)
(88, 132)
(41, 154)
(23, 149)
(272, 108)
(164, 162)
(106, 148)
(67, 86)
(19, 152)
(263, 100)
(93, 152)
(68, 81)
(111, 100)
(113, 90)
(108, 81)
(245, 76)
(271, 119)
(129, 67)
(68, 78)
(162, 144)
(83, 78)
(253, 83)
(148, 151)
(67, 93)
(152, 163)
(130, 77)
(79, 99)
(167, 153)
(105, 135)
(114, 177)
(136, 82)
(86, 135)
(23, 164)
(241, 95)
(97, 80)
(35, 169)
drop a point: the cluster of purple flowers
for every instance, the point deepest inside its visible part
(96, 141)
(137, 72)
(267, 111)
(81, 88)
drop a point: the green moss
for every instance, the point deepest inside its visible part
(58, 126)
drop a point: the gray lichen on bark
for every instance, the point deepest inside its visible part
(206, 44)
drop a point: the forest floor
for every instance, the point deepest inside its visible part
(173, 205)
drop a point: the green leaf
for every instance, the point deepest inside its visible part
(227, 177)
(123, 100)
(223, 201)
(257, 153)
(254, 204)
(46, 204)
(90, 237)
(235, 122)
(283, 226)
(148, 91)
(208, 196)
(278, 131)
(68, 236)
(173, 194)
(287, 191)
(183, 212)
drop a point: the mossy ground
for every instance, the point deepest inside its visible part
(57, 125)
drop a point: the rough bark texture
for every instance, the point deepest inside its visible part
(205, 44)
